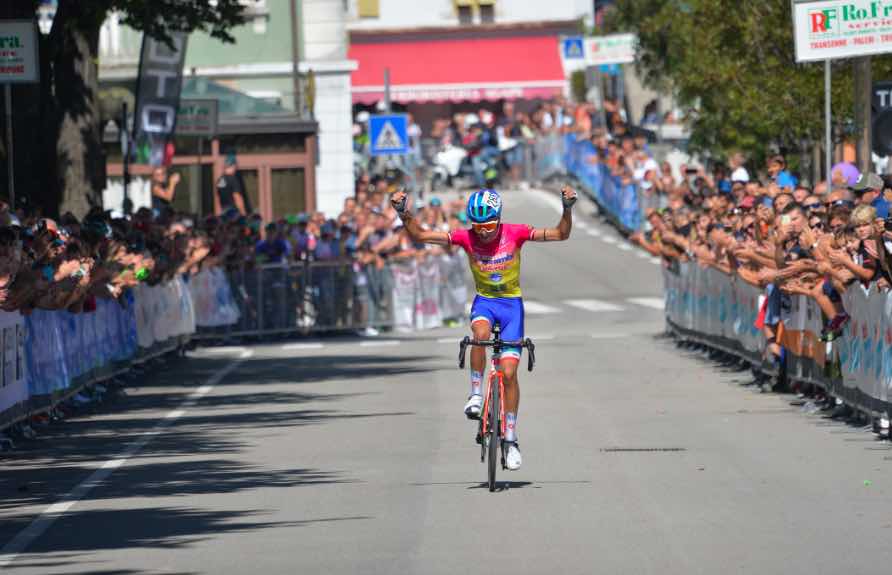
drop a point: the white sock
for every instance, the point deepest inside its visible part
(510, 427)
(476, 382)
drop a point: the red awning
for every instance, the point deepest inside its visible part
(457, 70)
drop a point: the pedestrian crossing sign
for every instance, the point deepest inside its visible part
(573, 48)
(389, 134)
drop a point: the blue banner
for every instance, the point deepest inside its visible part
(619, 199)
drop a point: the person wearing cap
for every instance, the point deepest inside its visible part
(868, 189)
(230, 190)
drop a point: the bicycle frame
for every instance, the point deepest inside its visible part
(494, 374)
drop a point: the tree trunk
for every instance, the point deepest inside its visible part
(79, 159)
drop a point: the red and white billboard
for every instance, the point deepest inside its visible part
(829, 29)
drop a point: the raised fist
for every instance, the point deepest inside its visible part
(568, 196)
(399, 200)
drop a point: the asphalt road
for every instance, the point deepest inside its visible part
(352, 455)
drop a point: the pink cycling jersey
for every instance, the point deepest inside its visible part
(495, 265)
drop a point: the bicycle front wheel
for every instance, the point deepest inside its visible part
(494, 429)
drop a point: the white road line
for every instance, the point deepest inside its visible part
(301, 346)
(48, 516)
(543, 337)
(610, 335)
(652, 302)
(534, 307)
(642, 255)
(594, 233)
(609, 240)
(625, 247)
(655, 261)
(454, 340)
(382, 343)
(225, 349)
(593, 305)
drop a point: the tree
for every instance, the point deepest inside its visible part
(731, 65)
(71, 169)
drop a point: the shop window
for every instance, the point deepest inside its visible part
(465, 15)
(466, 9)
(487, 11)
(288, 191)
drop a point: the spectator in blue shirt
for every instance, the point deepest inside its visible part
(273, 249)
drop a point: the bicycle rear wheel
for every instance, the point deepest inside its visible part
(494, 428)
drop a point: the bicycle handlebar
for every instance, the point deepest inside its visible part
(501, 345)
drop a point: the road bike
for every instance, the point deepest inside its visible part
(491, 429)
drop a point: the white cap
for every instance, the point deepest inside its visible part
(740, 175)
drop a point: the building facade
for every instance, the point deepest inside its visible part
(387, 14)
(448, 56)
(259, 65)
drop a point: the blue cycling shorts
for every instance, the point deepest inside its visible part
(507, 312)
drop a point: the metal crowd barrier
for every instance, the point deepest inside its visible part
(562, 155)
(720, 311)
(322, 296)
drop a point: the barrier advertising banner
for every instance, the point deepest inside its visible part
(13, 382)
(829, 29)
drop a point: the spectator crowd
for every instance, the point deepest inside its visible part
(779, 235)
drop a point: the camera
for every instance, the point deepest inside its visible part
(887, 223)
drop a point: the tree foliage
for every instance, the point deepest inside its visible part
(731, 66)
(71, 168)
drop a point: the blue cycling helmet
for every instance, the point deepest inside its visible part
(484, 206)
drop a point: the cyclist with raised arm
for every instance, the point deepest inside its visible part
(493, 250)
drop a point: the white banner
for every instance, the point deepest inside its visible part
(14, 383)
(427, 304)
(212, 299)
(614, 49)
(829, 29)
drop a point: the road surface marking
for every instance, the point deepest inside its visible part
(593, 305)
(642, 255)
(534, 307)
(382, 343)
(609, 240)
(225, 349)
(594, 233)
(655, 261)
(625, 247)
(300, 346)
(652, 302)
(48, 516)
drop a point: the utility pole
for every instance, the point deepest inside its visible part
(863, 92)
(295, 55)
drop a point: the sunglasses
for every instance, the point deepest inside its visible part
(815, 206)
(839, 203)
(485, 227)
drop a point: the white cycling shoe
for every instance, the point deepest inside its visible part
(474, 406)
(513, 460)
